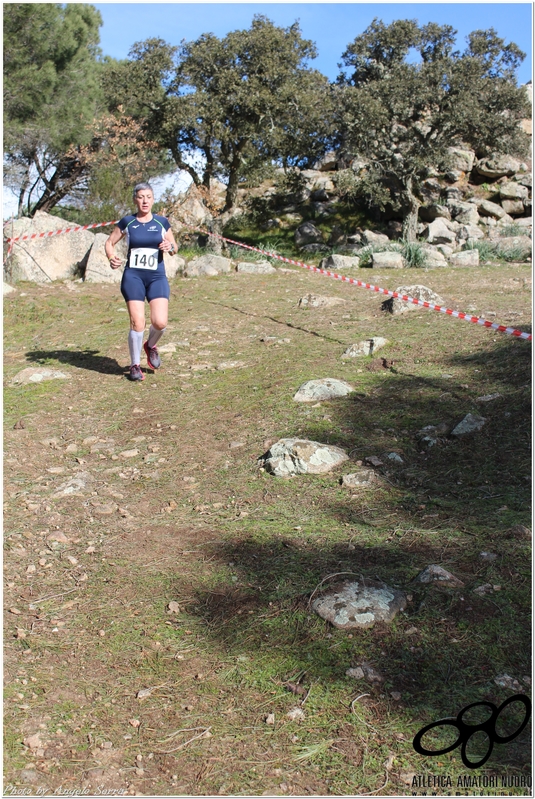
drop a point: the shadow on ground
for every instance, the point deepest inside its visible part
(82, 359)
(444, 505)
(442, 654)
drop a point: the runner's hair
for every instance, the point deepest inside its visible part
(142, 187)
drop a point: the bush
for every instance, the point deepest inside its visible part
(486, 249)
(414, 254)
(514, 229)
(491, 251)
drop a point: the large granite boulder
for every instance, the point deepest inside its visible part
(461, 159)
(207, 266)
(387, 260)
(428, 213)
(488, 208)
(433, 257)
(513, 207)
(339, 263)
(465, 258)
(42, 260)
(374, 238)
(191, 212)
(307, 233)
(518, 246)
(438, 232)
(465, 213)
(513, 191)
(98, 269)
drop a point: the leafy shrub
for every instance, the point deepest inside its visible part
(414, 254)
(486, 249)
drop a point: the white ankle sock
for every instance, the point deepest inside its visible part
(154, 336)
(135, 342)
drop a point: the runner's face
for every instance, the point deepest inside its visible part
(144, 201)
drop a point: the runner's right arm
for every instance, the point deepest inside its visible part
(116, 236)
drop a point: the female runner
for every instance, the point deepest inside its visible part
(148, 236)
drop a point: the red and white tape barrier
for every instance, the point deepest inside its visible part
(477, 320)
(511, 331)
(57, 232)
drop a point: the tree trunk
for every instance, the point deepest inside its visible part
(232, 191)
(234, 176)
(214, 243)
(209, 169)
(410, 222)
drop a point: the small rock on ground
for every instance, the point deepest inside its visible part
(256, 267)
(359, 604)
(315, 301)
(438, 576)
(37, 375)
(397, 306)
(324, 388)
(366, 347)
(470, 424)
(362, 477)
(291, 456)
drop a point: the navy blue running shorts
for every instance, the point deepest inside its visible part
(138, 284)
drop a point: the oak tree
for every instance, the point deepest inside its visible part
(402, 115)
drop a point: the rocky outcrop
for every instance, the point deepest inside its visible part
(78, 254)
(497, 166)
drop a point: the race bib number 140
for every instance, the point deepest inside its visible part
(144, 258)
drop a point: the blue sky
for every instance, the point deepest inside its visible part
(332, 26)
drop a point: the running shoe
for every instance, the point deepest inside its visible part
(136, 373)
(153, 359)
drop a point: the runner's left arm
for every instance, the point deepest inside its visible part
(169, 244)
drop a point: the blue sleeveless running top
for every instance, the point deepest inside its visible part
(142, 239)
